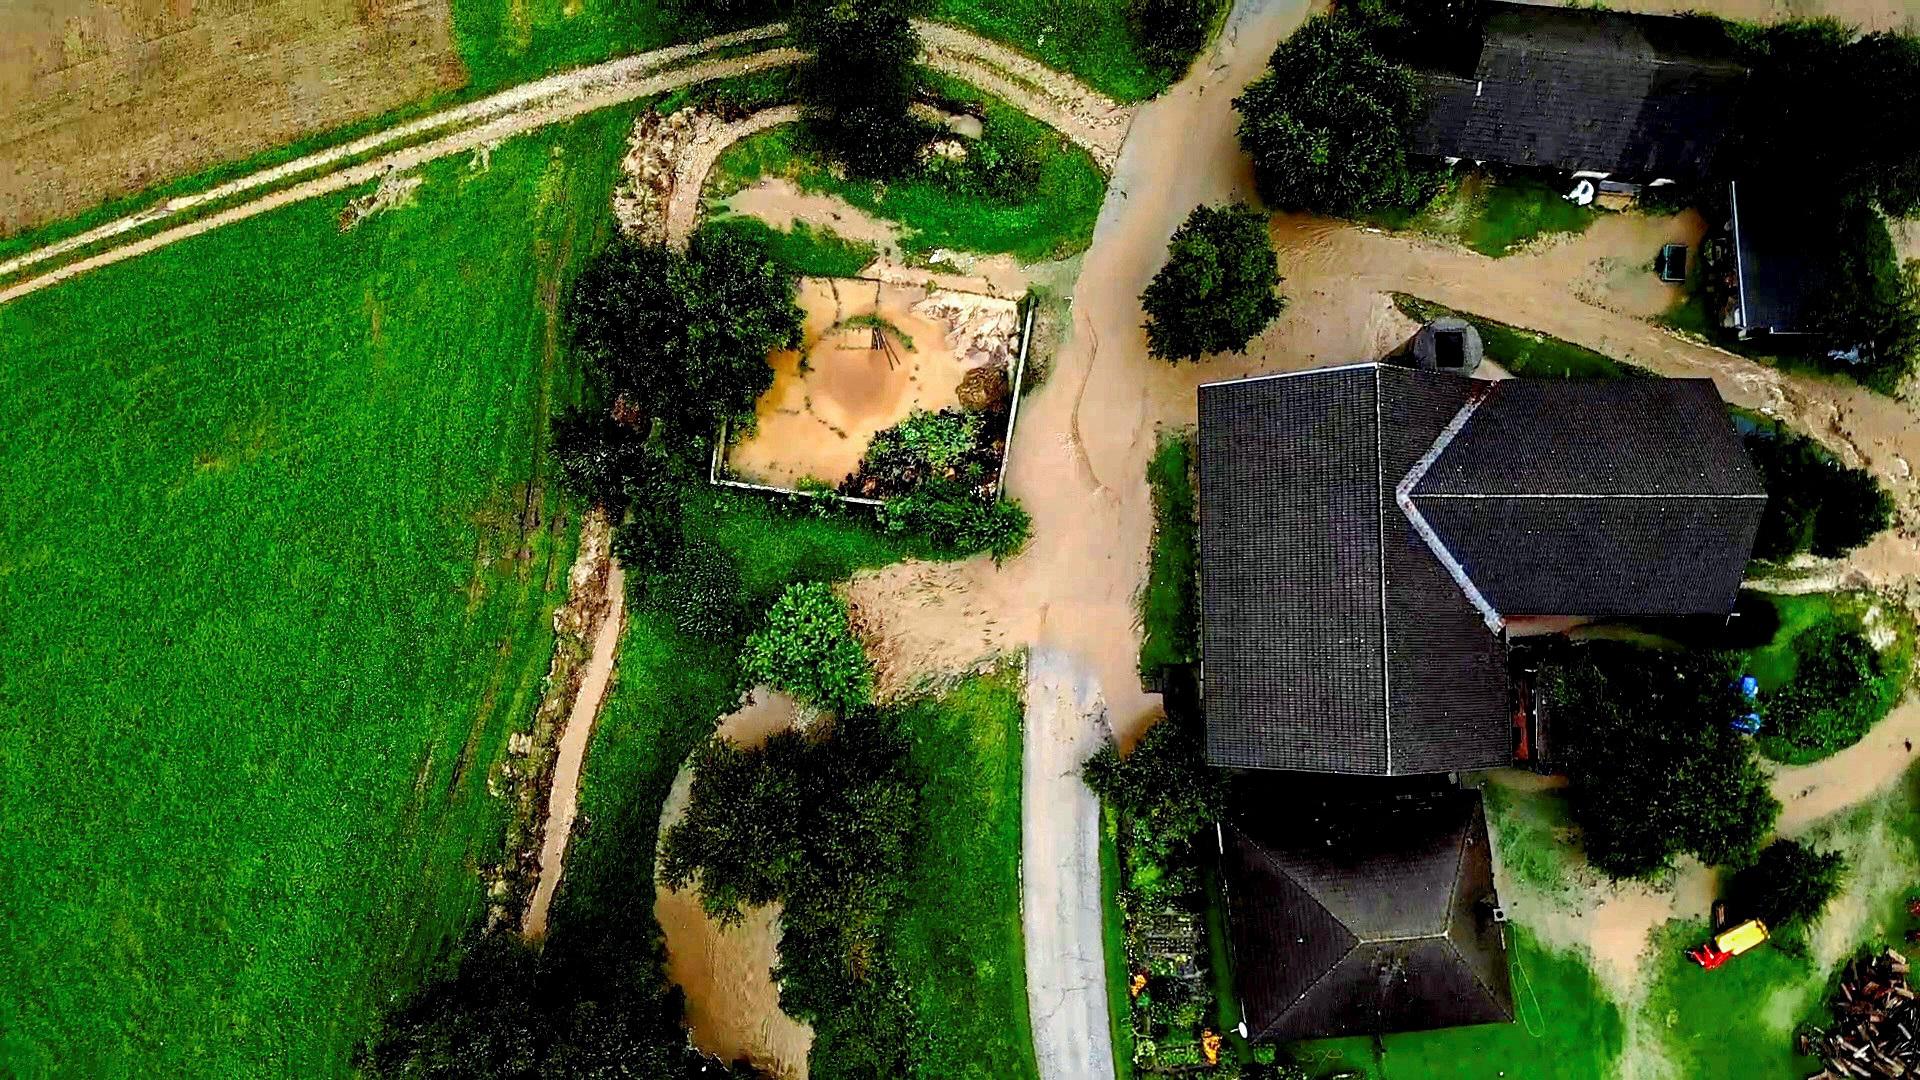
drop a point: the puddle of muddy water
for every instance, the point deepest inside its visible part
(830, 397)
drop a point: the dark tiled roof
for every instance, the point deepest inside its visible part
(1584, 437)
(1317, 596)
(1640, 96)
(1340, 637)
(1775, 236)
(1631, 497)
(1675, 555)
(1365, 917)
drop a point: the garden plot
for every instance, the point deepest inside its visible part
(876, 357)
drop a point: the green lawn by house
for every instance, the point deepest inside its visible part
(1170, 603)
(1493, 215)
(1567, 1029)
(279, 566)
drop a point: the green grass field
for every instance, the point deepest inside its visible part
(1088, 38)
(803, 249)
(278, 567)
(957, 937)
(1169, 602)
(1567, 1029)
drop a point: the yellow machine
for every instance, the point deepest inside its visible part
(1728, 944)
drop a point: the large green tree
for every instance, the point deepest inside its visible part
(861, 75)
(1328, 125)
(685, 338)
(1656, 769)
(1219, 287)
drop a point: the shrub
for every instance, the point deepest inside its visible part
(1218, 288)
(1836, 694)
(1329, 124)
(1814, 502)
(685, 338)
(1170, 32)
(1788, 884)
(1164, 783)
(958, 520)
(862, 78)
(647, 541)
(1421, 31)
(1656, 769)
(701, 592)
(807, 649)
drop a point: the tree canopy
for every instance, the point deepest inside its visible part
(1814, 502)
(862, 78)
(1788, 885)
(1164, 782)
(1328, 125)
(1656, 769)
(1219, 286)
(807, 649)
(685, 338)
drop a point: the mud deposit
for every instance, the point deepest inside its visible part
(100, 98)
(733, 1004)
(830, 397)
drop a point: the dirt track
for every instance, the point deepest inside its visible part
(1080, 113)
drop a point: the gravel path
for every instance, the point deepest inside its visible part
(1060, 872)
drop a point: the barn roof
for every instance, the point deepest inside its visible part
(1639, 96)
(1365, 531)
(1365, 917)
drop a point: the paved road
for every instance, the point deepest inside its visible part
(1060, 872)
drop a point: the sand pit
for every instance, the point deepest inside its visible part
(830, 397)
(733, 1004)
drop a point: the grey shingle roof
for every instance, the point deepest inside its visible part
(1318, 597)
(1640, 96)
(1364, 530)
(1364, 918)
(1775, 236)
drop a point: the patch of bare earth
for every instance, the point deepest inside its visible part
(726, 973)
(101, 98)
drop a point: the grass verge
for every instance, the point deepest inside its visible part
(1113, 939)
(283, 553)
(1169, 602)
(958, 937)
(1524, 353)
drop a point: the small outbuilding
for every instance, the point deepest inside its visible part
(1447, 344)
(1365, 918)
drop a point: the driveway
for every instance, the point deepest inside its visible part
(1060, 872)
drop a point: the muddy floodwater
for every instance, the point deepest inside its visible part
(871, 354)
(726, 973)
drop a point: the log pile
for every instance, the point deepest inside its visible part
(1876, 1024)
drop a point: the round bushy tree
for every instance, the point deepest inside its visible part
(861, 77)
(807, 649)
(1219, 287)
(1328, 125)
(1789, 883)
(685, 338)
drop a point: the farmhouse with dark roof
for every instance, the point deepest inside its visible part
(1369, 536)
(1637, 99)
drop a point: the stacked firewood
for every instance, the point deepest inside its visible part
(1876, 1024)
